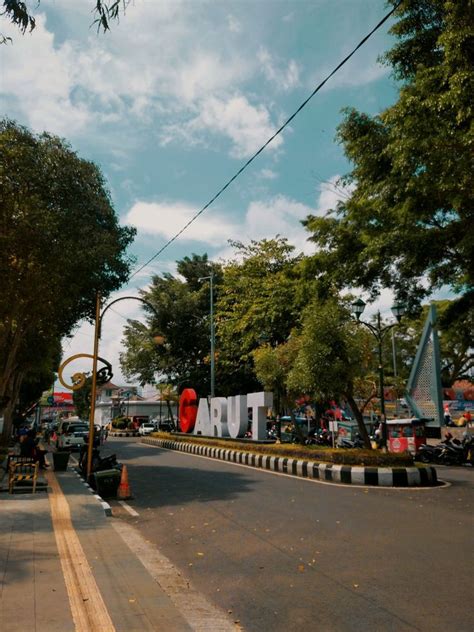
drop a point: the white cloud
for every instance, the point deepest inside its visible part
(360, 70)
(246, 126)
(36, 79)
(234, 24)
(330, 193)
(268, 174)
(263, 219)
(278, 215)
(110, 343)
(167, 218)
(154, 68)
(273, 70)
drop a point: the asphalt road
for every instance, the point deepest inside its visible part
(288, 554)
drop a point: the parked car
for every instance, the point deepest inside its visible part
(165, 425)
(71, 435)
(146, 428)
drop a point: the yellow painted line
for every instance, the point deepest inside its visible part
(87, 606)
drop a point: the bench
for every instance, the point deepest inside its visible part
(21, 468)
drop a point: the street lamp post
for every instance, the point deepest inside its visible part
(97, 332)
(210, 278)
(379, 332)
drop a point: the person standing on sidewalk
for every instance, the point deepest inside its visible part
(29, 447)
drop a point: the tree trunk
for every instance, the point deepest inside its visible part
(13, 392)
(360, 421)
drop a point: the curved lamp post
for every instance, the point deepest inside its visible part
(379, 332)
(98, 326)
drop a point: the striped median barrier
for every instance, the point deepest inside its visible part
(124, 433)
(329, 472)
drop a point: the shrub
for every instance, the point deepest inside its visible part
(312, 453)
(119, 423)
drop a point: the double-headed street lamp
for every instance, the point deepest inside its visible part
(210, 278)
(379, 332)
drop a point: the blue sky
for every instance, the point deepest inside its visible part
(178, 95)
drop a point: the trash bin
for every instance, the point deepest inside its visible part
(60, 461)
(107, 482)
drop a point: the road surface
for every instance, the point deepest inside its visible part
(282, 553)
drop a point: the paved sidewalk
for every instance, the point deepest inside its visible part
(33, 594)
(64, 567)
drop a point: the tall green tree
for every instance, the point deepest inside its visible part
(408, 222)
(272, 367)
(182, 305)
(332, 357)
(60, 243)
(260, 302)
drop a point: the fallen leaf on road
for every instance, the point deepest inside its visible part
(301, 568)
(201, 554)
(131, 600)
(356, 585)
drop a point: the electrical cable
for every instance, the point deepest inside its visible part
(259, 151)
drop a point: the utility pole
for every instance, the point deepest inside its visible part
(394, 356)
(210, 278)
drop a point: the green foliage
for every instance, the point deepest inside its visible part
(183, 308)
(272, 367)
(311, 453)
(259, 303)
(60, 242)
(332, 356)
(82, 399)
(19, 14)
(410, 215)
(120, 423)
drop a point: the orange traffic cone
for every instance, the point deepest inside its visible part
(123, 491)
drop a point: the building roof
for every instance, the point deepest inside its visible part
(107, 386)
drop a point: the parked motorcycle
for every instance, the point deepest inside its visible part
(450, 451)
(430, 453)
(320, 438)
(344, 442)
(99, 463)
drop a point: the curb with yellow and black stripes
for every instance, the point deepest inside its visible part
(328, 472)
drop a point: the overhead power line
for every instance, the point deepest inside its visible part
(259, 151)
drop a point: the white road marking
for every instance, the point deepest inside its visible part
(200, 613)
(130, 510)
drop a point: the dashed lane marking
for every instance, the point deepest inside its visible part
(201, 614)
(130, 510)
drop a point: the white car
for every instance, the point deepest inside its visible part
(71, 435)
(146, 428)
